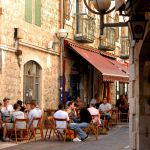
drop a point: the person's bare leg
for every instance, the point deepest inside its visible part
(4, 132)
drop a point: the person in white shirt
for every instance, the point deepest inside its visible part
(105, 109)
(93, 111)
(35, 112)
(94, 100)
(1, 122)
(61, 115)
(6, 109)
(16, 114)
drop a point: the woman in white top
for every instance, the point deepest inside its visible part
(16, 114)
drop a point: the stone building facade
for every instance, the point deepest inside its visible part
(30, 51)
(139, 95)
(78, 28)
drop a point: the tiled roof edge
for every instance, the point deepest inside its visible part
(89, 48)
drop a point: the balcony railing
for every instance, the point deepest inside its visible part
(108, 43)
(124, 47)
(85, 28)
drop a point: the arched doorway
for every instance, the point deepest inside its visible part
(144, 94)
(31, 82)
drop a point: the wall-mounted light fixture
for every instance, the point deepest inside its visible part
(61, 34)
(138, 25)
(18, 35)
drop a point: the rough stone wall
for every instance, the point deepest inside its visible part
(11, 83)
(10, 77)
(69, 64)
(113, 93)
(51, 84)
(49, 75)
(14, 17)
(138, 123)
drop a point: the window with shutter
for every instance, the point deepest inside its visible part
(28, 11)
(33, 11)
(38, 12)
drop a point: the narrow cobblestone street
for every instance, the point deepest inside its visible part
(117, 139)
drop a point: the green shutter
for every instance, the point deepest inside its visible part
(28, 11)
(38, 12)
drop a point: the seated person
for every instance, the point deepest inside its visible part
(6, 109)
(105, 109)
(34, 112)
(94, 99)
(1, 105)
(79, 102)
(98, 102)
(16, 114)
(61, 114)
(94, 111)
(72, 111)
(27, 109)
(85, 119)
(1, 122)
(123, 107)
(1, 115)
(22, 108)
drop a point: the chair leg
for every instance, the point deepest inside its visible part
(65, 137)
(34, 134)
(53, 134)
(50, 134)
(11, 134)
(28, 137)
(16, 136)
(46, 133)
(41, 132)
(96, 132)
(21, 135)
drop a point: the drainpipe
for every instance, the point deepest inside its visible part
(61, 26)
(61, 13)
(77, 16)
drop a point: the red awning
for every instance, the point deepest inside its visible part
(109, 70)
(120, 66)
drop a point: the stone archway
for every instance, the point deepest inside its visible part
(144, 94)
(31, 82)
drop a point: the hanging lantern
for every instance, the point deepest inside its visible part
(138, 25)
(101, 5)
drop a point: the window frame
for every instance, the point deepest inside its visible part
(33, 12)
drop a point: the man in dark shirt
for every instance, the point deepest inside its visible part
(85, 115)
(85, 119)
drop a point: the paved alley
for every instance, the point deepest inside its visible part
(116, 139)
